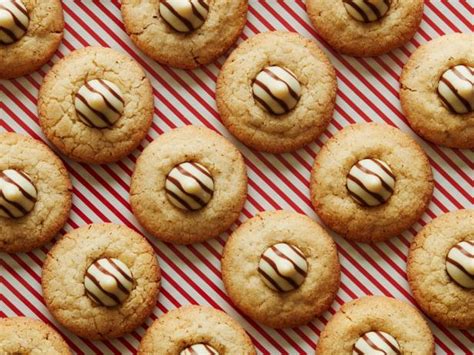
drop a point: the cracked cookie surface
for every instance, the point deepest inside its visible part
(225, 21)
(376, 313)
(438, 295)
(21, 335)
(63, 280)
(356, 38)
(333, 202)
(422, 105)
(58, 116)
(54, 190)
(189, 325)
(245, 285)
(251, 123)
(151, 205)
(38, 45)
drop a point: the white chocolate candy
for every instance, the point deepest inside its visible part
(99, 103)
(276, 89)
(456, 89)
(108, 282)
(367, 10)
(199, 349)
(184, 15)
(370, 182)
(460, 264)
(14, 21)
(376, 343)
(283, 267)
(17, 194)
(189, 186)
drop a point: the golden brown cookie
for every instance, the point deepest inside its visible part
(96, 105)
(370, 182)
(31, 32)
(184, 34)
(189, 185)
(368, 323)
(276, 92)
(196, 330)
(365, 28)
(30, 336)
(35, 193)
(281, 269)
(437, 90)
(101, 281)
(441, 269)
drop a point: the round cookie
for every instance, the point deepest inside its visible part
(96, 105)
(34, 30)
(188, 328)
(435, 289)
(35, 193)
(209, 29)
(281, 269)
(21, 335)
(370, 182)
(85, 276)
(438, 105)
(391, 320)
(212, 192)
(352, 27)
(288, 110)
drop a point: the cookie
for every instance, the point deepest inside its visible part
(376, 325)
(196, 330)
(31, 33)
(437, 90)
(21, 335)
(276, 92)
(189, 185)
(365, 28)
(35, 193)
(101, 281)
(184, 34)
(370, 182)
(281, 269)
(96, 105)
(441, 269)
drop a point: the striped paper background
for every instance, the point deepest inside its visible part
(368, 91)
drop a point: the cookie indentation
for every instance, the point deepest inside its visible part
(460, 264)
(199, 349)
(376, 343)
(189, 186)
(99, 103)
(370, 182)
(456, 89)
(17, 194)
(276, 89)
(108, 282)
(283, 267)
(367, 10)
(184, 15)
(14, 21)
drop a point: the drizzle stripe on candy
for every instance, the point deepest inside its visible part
(199, 349)
(117, 276)
(14, 21)
(460, 263)
(456, 89)
(189, 186)
(184, 15)
(277, 90)
(376, 342)
(17, 194)
(367, 10)
(283, 267)
(99, 103)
